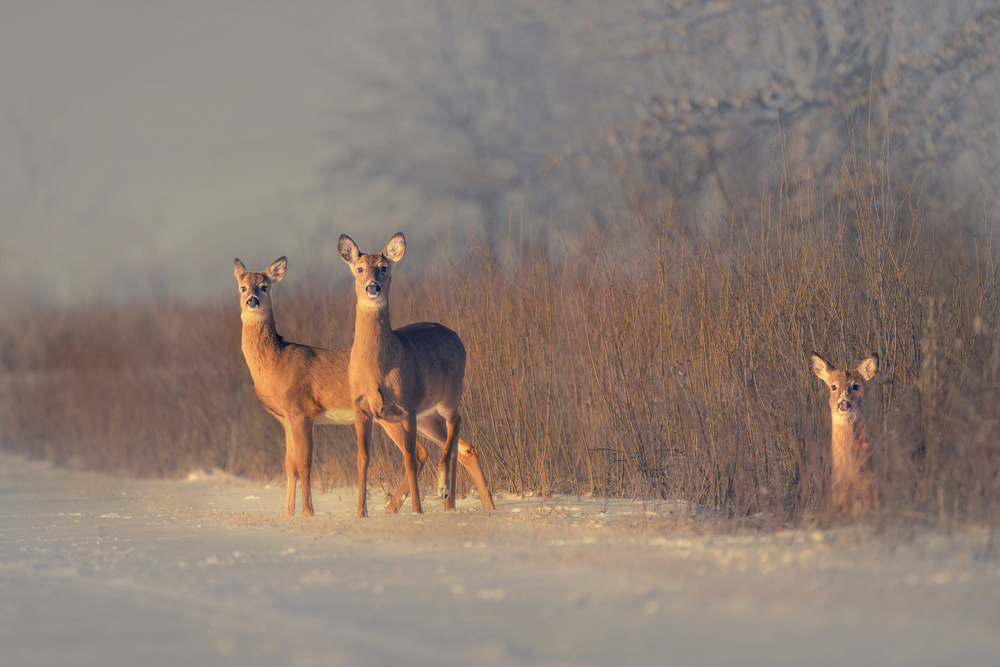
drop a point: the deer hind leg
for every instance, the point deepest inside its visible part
(446, 468)
(467, 457)
(398, 436)
(453, 461)
(435, 428)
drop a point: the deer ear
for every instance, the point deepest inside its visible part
(239, 269)
(821, 367)
(395, 248)
(277, 269)
(869, 367)
(348, 249)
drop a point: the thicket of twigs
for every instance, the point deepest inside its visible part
(649, 361)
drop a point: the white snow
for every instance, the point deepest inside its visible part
(101, 571)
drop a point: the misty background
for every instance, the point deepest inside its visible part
(143, 146)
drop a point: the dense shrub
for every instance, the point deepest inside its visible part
(646, 361)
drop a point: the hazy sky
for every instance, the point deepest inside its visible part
(143, 145)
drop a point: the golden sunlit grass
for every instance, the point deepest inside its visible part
(645, 362)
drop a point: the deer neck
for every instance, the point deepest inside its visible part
(849, 437)
(373, 338)
(261, 344)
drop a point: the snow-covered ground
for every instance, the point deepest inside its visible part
(99, 571)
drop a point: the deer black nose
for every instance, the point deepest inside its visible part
(253, 302)
(844, 406)
(373, 289)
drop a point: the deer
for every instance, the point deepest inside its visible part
(403, 376)
(854, 486)
(302, 386)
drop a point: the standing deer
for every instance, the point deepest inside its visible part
(854, 486)
(402, 376)
(302, 386)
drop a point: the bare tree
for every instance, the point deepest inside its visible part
(727, 89)
(583, 107)
(469, 102)
(717, 85)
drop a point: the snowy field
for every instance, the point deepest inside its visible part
(99, 571)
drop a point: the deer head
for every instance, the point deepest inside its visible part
(846, 387)
(372, 273)
(255, 287)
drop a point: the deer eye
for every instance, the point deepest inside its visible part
(855, 387)
(360, 269)
(833, 387)
(243, 288)
(385, 269)
(263, 288)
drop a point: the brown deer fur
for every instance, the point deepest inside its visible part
(400, 375)
(302, 386)
(854, 486)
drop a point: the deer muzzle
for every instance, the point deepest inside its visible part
(373, 289)
(253, 302)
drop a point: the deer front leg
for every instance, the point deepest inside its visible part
(302, 434)
(363, 424)
(290, 469)
(410, 438)
(397, 436)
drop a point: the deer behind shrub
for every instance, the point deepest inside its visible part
(854, 487)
